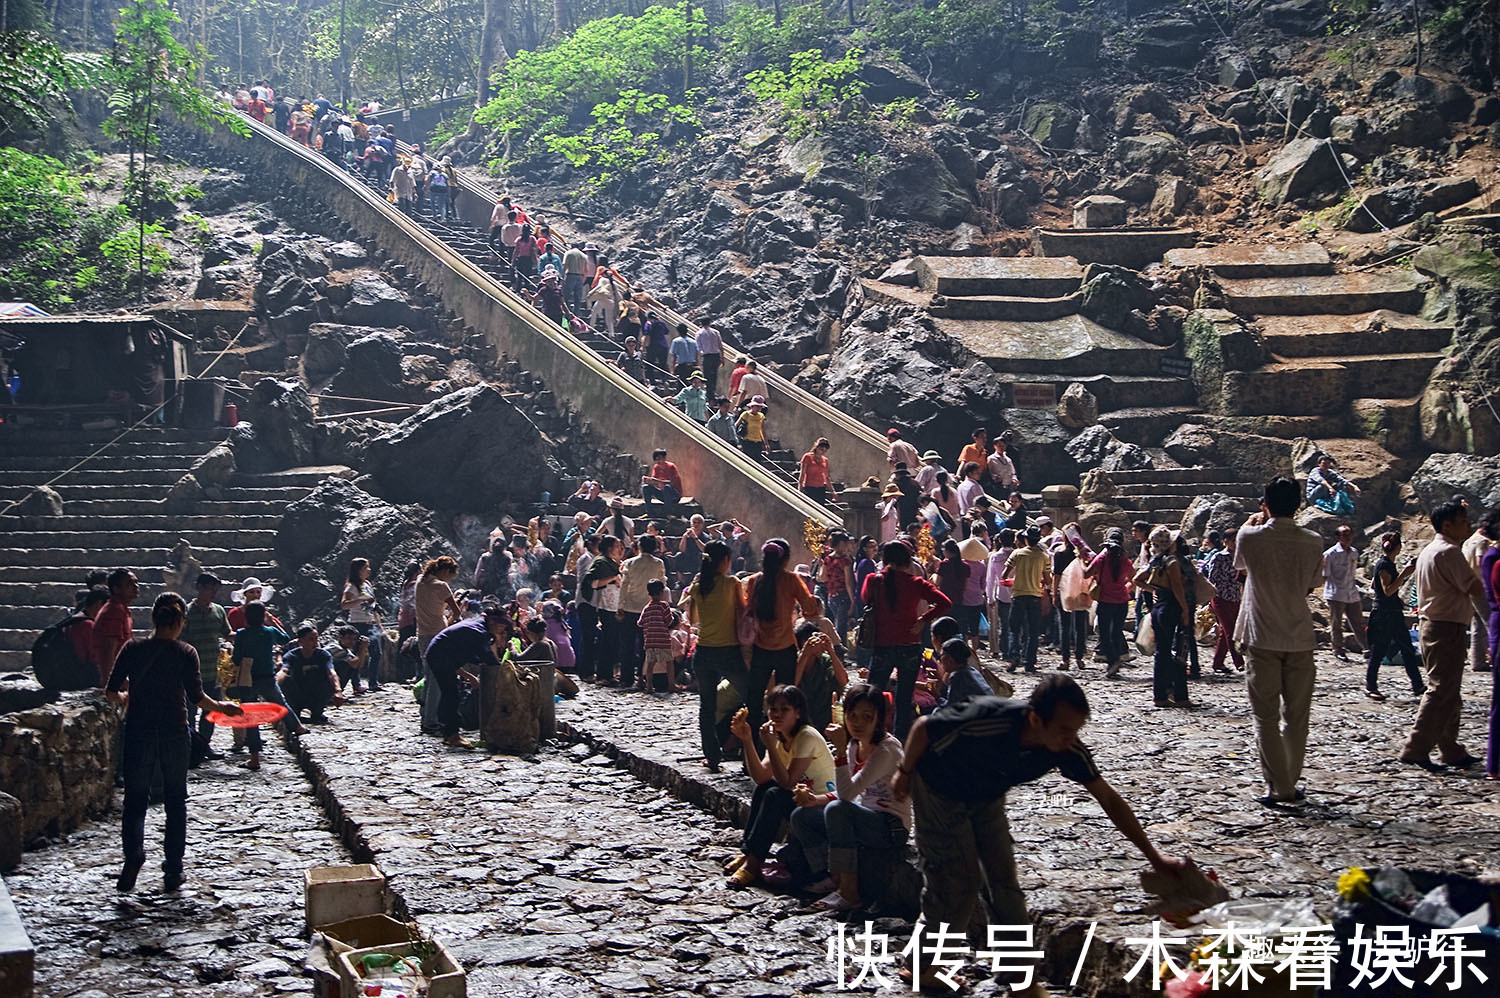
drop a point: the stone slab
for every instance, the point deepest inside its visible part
(1004, 307)
(1379, 332)
(1033, 277)
(1072, 344)
(885, 293)
(1340, 294)
(1128, 247)
(17, 955)
(1301, 260)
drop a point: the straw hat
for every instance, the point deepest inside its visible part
(891, 492)
(758, 402)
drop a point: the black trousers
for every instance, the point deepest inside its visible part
(770, 805)
(588, 633)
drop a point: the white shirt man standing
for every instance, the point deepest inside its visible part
(1447, 590)
(1341, 593)
(1282, 563)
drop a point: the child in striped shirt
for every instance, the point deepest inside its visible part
(656, 638)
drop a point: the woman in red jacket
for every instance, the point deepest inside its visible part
(894, 595)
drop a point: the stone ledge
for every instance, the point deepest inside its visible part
(17, 955)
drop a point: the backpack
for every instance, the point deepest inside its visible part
(55, 664)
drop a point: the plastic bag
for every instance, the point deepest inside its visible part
(1145, 637)
(1073, 588)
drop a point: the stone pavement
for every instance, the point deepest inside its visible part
(1192, 777)
(235, 929)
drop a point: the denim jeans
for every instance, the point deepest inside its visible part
(1026, 624)
(765, 665)
(904, 660)
(1169, 677)
(838, 612)
(832, 835)
(573, 292)
(665, 494)
(265, 691)
(1073, 632)
(588, 634)
(629, 632)
(1388, 634)
(607, 648)
(711, 665)
(143, 749)
(770, 805)
(1112, 631)
(372, 665)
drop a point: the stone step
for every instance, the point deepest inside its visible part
(32, 619)
(309, 477)
(1000, 307)
(1187, 490)
(269, 497)
(227, 510)
(1331, 294)
(1129, 247)
(1147, 424)
(1113, 392)
(53, 539)
(142, 522)
(1031, 277)
(1171, 508)
(70, 490)
(1072, 345)
(1300, 260)
(14, 437)
(15, 659)
(149, 558)
(1292, 388)
(50, 464)
(73, 575)
(1379, 332)
(119, 478)
(1176, 476)
(1399, 376)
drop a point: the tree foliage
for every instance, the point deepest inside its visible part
(809, 89)
(36, 76)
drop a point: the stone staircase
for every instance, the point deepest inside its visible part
(1164, 494)
(112, 518)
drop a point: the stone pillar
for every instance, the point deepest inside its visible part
(862, 517)
(1061, 503)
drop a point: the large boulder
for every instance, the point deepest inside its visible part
(1398, 204)
(1078, 407)
(1154, 153)
(336, 522)
(1443, 476)
(1301, 167)
(926, 190)
(302, 258)
(1213, 511)
(1218, 341)
(327, 349)
(40, 501)
(1117, 298)
(372, 370)
(372, 302)
(472, 445)
(277, 429)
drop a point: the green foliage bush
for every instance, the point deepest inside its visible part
(808, 90)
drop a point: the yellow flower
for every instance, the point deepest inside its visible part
(1354, 883)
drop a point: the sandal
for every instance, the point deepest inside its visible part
(734, 864)
(743, 877)
(834, 902)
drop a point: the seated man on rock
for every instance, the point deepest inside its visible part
(1330, 491)
(308, 678)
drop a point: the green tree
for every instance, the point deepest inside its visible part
(151, 74)
(35, 77)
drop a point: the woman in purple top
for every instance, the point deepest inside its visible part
(1489, 573)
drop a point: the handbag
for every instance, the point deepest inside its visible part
(1145, 636)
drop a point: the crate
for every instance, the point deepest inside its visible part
(449, 981)
(339, 893)
(367, 931)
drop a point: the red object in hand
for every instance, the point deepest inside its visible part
(1007, 582)
(255, 714)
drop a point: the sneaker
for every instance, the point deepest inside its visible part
(171, 881)
(1375, 695)
(458, 742)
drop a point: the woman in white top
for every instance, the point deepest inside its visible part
(360, 604)
(795, 753)
(861, 812)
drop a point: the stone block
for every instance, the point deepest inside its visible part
(1077, 408)
(40, 501)
(12, 831)
(1172, 196)
(17, 956)
(1099, 211)
(1395, 424)
(1217, 342)
(1060, 495)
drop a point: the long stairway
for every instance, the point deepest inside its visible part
(112, 519)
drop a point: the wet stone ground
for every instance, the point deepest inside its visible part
(235, 927)
(574, 873)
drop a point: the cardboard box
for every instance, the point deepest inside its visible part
(338, 893)
(446, 976)
(369, 931)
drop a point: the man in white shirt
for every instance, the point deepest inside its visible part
(711, 349)
(1341, 593)
(997, 596)
(634, 574)
(751, 385)
(1283, 563)
(932, 463)
(1447, 591)
(1000, 468)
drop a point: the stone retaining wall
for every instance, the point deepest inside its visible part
(58, 760)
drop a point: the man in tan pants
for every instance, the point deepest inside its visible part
(1446, 590)
(1282, 563)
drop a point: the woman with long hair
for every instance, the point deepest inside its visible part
(771, 596)
(895, 596)
(861, 812)
(795, 753)
(359, 602)
(1113, 571)
(436, 611)
(601, 586)
(714, 601)
(946, 495)
(1169, 574)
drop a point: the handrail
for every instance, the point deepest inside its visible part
(786, 389)
(523, 310)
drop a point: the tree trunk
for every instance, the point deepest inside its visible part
(492, 52)
(687, 55)
(561, 22)
(1416, 20)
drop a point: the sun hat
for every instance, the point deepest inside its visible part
(697, 376)
(1044, 521)
(932, 455)
(266, 592)
(758, 402)
(891, 492)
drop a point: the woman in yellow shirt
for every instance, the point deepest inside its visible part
(713, 602)
(752, 427)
